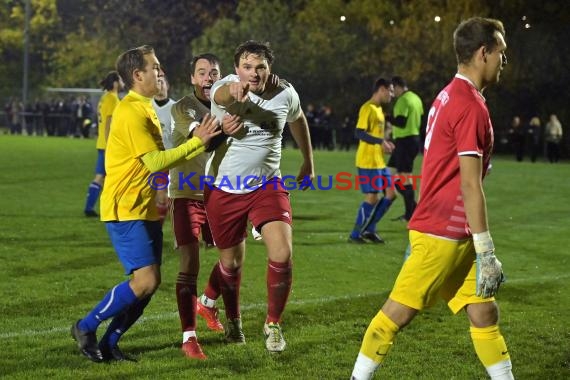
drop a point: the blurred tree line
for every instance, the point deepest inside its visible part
(331, 50)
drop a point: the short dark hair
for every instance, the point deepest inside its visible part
(381, 82)
(473, 33)
(131, 60)
(399, 81)
(107, 82)
(261, 49)
(213, 59)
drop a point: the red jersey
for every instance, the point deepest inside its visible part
(458, 124)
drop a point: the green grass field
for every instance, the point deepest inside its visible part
(55, 264)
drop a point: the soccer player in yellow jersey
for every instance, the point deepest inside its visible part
(375, 176)
(452, 254)
(134, 154)
(111, 84)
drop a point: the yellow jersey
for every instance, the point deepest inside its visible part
(371, 120)
(135, 131)
(105, 109)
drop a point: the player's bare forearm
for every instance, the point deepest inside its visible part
(231, 93)
(223, 96)
(472, 190)
(300, 132)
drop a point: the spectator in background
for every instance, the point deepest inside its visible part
(7, 112)
(312, 116)
(82, 110)
(49, 112)
(327, 126)
(346, 133)
(533, 137)
(15, 109)
(29, 118)
(39, 119)
(517, 137)
(553, 136)
(63, 116)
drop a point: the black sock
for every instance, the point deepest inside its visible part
(409, 200)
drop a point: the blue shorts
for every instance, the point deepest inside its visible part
(100, 167)
(138, 243)
(378, 180)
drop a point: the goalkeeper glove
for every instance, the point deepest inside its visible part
(489, 272)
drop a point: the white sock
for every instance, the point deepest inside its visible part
(208, 302)
(501, 370)
(256, 235)
(187, 335)
(364, 368)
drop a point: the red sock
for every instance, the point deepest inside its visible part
(186, 300)
(279, 279)
(230, 281)
(212, 290)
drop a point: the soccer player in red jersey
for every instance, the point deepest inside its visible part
(188, 213)
(452, 253)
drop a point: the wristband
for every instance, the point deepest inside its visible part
(483, 242)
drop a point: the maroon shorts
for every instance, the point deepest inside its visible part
(188, 221)
(228, 213)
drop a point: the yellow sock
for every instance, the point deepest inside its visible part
(489, 345)
(379, 337)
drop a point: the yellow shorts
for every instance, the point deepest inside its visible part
(437, 267)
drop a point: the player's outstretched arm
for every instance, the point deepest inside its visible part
(159, 160)
(230, 93)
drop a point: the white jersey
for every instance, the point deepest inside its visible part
(187, 179)
(243, 163)
(163, 113)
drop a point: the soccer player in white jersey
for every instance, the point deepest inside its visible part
(452, 254)
(188, 214)
(247, 182)
(162, 105)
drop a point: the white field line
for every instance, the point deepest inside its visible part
(259, 306)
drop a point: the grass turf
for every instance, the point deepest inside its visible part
(55, 264)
